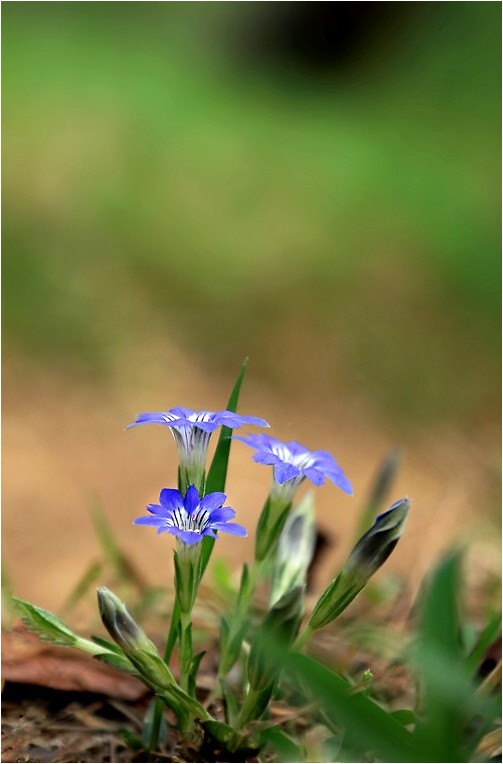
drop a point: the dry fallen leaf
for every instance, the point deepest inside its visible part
(27, 660)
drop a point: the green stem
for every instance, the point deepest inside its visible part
(246, 713)
(155, 729)
(304, 636)
(185, 651)
(159, 704)
(241, 613)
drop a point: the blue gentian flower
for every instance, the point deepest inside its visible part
(292, 463)
(191, 518)
(192, 432)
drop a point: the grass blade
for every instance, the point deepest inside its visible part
(217, 474)
(368, 727)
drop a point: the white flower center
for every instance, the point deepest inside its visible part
(197, 521)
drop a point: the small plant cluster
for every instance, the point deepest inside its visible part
(266, 647)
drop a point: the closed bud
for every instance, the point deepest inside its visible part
(295, 550)
(278, 630)
(121, 625)
(131, 638)
(371, 551)
(375, 546)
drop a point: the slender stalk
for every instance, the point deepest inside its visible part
(304, 636)
(246, 713)
(155, 729)
(241, 614)
(185, 651)
(153, 743)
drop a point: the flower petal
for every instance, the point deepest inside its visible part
(233, 528)
(221, 515)
(171, 498)
(147, 520)
(284, 472)
(191, 500)
(314, 475)
(157, 509)
(212, 500)
(189, 537)
(341, 482)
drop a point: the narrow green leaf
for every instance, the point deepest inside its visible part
(368, 727)
(217, 474)
(219, 731)
(231, 703)
(89, 577)
(119, 662)
(107, 645)
(45, 624)
(154, 726)
(449, 700)
(490, 633)
(124, 569)
(173, 632)
(379, 489)
(282, 746)
(405, 716)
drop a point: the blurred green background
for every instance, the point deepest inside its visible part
(316, 185)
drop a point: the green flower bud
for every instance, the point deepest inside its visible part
(372, 550)
(295, 550)
(279, 627)
(140, 650)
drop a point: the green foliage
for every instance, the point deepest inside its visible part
(217, 474)
(449, 703)
(46, 625)
(367, 726)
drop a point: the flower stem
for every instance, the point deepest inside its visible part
(185, 651)
(239, 619)
(304, 636)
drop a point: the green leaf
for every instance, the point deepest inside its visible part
(490, 633)
(217, 473)
(108, 645)
(448, 693)
(231, 703)
(405, 716)
(282, 746)
(48, 626)
(173, 632)
(380, 487)
(119, 662)
(194, 668)
(219, 731)
(82, 587)
(368, 727)
(154, 726)
(124, 569)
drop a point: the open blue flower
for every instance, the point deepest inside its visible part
(191, 518)
(192, 432)
(292, 463)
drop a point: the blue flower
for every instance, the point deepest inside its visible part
(191, 518)
(292, 463)
(192, 432)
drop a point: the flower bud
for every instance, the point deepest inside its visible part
(295, 550)
(375, 546)
(121, 625)
(371, 551)
(279, 629)
(140, 650)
